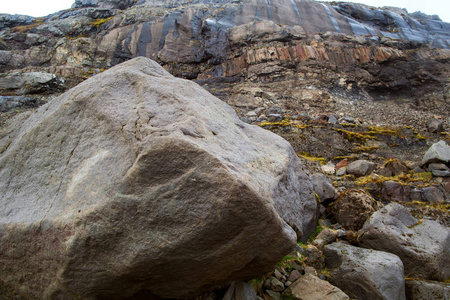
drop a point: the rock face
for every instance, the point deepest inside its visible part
(423, 247)
(134, 176)
(365, 274)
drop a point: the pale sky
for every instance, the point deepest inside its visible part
(39, 8)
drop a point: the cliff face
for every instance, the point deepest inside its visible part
(338, 47)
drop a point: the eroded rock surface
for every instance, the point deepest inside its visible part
(134, 176)
(423, 246)
(365, 274)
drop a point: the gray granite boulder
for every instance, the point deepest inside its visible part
(423, 246)
(438, 153)
(364, 273)
(137, 180)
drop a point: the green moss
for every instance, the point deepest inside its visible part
(99, 22)
(310, 157)
(315, 233)
(355, 136)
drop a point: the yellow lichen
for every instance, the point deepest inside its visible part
(310, 157)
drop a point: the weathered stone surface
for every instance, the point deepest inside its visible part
(423, 247)
(364, 273)
(435, 126)
(310, 287)
(394, 191)
(325, 237)
(323, 188)
(34, 82)
(437, 153)
(361, 168)
(426, 290)
(432, 194)
(353, 208)
(137, 180)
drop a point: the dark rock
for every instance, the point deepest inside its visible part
(394, 191)
(423, 247)
(353, 207)
(314, 256)
(396, 167)
(365, 274)
(435, 126)
(432, 194)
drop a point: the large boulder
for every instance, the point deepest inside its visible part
(364, 273)
(424, 247)
(136, 180)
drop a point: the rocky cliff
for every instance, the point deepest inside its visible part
(340, 48)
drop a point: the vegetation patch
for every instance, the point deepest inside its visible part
(315, 233)
(310, 157)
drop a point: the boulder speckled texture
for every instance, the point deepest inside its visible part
(423, 247)
(364, 273)
(138, 180)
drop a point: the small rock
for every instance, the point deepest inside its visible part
(323, 188)
(310, 287)
(277, 274)
(435, 126)
(275, 117)
(415, 195)
(361, 168)
(396, 167)
(340, 233)
(437, 153)
(432, 194)
(329, 168)
(341, 171)
(394, 191)
(276, 110)
(342, 164)
(325, 237)
(294, 276)
(310, 270)
(348, 120)
(437, 167)
(314, 256)
(251, 114)
(288, 283)
(439, 173)
(332, 119)
(274, 284)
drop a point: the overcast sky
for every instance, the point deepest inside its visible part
(39, 8)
